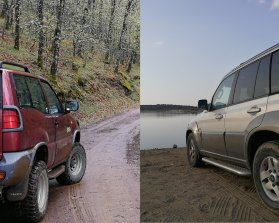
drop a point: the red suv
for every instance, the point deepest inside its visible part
(39, 140)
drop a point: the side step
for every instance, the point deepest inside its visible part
(227, 166)
(56, 172)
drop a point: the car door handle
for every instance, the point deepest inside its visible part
(219, 116)
(56, 122)
(253, 110)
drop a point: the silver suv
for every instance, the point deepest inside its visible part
(239, 130)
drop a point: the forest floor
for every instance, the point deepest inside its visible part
(100, 91)
(171, 191)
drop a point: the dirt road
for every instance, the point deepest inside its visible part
(172, 191)
(109, 191)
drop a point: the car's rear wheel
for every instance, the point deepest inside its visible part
(34, 206)
(266, 173)
(75, 166)
(193, 156)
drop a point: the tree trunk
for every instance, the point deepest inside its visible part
(17, 24)
(41, 33)
(91, 4)
(101, 18)
(5, 8)
(9, 14)
(57, 38)
(124, 26)
(112, 13)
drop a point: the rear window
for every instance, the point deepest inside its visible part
(29, 93)
(275, 73)
(262, 82)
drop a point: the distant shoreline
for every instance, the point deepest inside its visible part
(170, 108)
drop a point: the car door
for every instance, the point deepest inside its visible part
(60, 119)
(211, 124)
(249, 106)
(1, 113)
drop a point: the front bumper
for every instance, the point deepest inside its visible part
(17, 166)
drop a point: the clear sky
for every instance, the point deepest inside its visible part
(187, 46)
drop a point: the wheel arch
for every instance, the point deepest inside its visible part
(76, 137)
(188, 132)
(42, 153)
(255, 140)
(193, 128)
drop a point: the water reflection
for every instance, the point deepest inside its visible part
(163, 129)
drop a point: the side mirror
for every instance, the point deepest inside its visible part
(202, 104)
(72, 106)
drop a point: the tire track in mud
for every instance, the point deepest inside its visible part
(199, 194)
(238, 204)
(81, 212)
(108, 191)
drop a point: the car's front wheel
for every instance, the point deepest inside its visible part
(266, 173)
(193, 155)
(75, 166)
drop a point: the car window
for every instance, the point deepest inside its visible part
(275, 73)
(36, 93)
(222, 94)
(262, 82)
(29, 92)
(22, 91)
(244, 89)
(53, 101)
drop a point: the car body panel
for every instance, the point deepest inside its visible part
(237, 124)
(212, 131)
(39, 130)
(63, 136)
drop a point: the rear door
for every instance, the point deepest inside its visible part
(63, 136)
(1, 115)
(249, 105)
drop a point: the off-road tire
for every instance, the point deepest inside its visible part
(267, 154)
(28, 210)
(70, 176)
(193, 155)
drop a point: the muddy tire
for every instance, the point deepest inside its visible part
(193, 155)
(266, 173)
(34, 206)
(75, 166)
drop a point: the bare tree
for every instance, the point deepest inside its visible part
(57, 38)
(41, 33)
(17, 24)
(108, 29)
(101, 18)
(125, 24)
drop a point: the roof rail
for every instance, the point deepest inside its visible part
(271, 49)
(14, 64)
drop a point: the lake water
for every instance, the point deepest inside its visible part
(163, 129)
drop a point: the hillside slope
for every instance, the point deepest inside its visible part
(100, 91)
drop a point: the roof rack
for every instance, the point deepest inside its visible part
(14, 64)
(271, 49)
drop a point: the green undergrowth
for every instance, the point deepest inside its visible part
(100, 91)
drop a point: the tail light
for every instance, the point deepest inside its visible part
(10, 119)
(2, 175)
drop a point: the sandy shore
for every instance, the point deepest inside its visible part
(172, 191)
